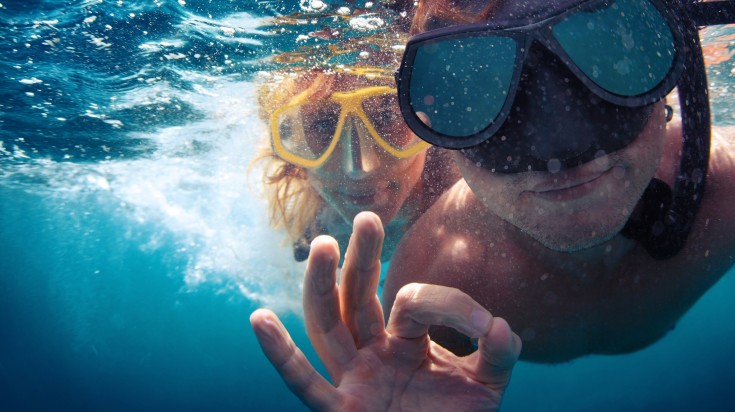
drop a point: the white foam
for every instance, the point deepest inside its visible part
(32, 80)
(366, 23)
(235, 28)
(195, 186)
(192, 188)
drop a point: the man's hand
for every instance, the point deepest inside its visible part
(379, 368)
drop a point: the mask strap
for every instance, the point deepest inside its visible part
(660, 228)
(712, 12)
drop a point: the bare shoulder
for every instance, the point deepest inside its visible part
(716, 218)
(444, 220)
(455, 206)
(722, 150)
(432, 241)
(721, 174)
(444, 239)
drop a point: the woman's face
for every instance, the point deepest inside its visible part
(360, 174)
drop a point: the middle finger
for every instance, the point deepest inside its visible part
(328, 333)
(361, 307)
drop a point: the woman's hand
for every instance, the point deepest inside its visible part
(379, 368)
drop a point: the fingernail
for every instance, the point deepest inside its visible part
(481, 320)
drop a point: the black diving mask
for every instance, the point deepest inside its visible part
(546, 96)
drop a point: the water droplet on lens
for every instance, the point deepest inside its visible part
(554, 165)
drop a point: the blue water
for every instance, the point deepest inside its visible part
(133, 243)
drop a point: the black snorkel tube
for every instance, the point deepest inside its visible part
(664, 217)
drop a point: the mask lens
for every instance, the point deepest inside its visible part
(459, 86)
(385, 116)
(626, 47)
(307, 130)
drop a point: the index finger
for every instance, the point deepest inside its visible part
(497, 353)
(418, 306)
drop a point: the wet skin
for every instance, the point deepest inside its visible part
(543, 249)
(376, 366)
(608, 298)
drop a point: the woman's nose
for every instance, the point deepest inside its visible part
(359, 157)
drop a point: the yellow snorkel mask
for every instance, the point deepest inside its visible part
(336, 94)
(306, 132)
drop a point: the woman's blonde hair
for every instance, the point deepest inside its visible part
(293, 201)
(425, 12)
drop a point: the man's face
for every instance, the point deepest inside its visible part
(572, 208)
(576, 208)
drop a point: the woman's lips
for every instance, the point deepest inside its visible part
(365, 197)
(360, 200)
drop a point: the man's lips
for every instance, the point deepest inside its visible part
(570, 186)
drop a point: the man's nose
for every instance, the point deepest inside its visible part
(552, 109)
(558, 116)
(359, 157)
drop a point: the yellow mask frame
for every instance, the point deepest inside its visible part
(350, 104)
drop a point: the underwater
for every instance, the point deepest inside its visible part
(134, 232)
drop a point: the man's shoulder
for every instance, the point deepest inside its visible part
(716, 219)
(454, 214)
(721, 173)
(456, 233)
(447, 246)
(722, 151)
(457, 204)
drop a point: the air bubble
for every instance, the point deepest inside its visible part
(553, 165)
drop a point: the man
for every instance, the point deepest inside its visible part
(558, 224)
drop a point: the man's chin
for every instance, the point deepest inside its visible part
(571, 242)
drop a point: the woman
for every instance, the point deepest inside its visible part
(338, 145)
